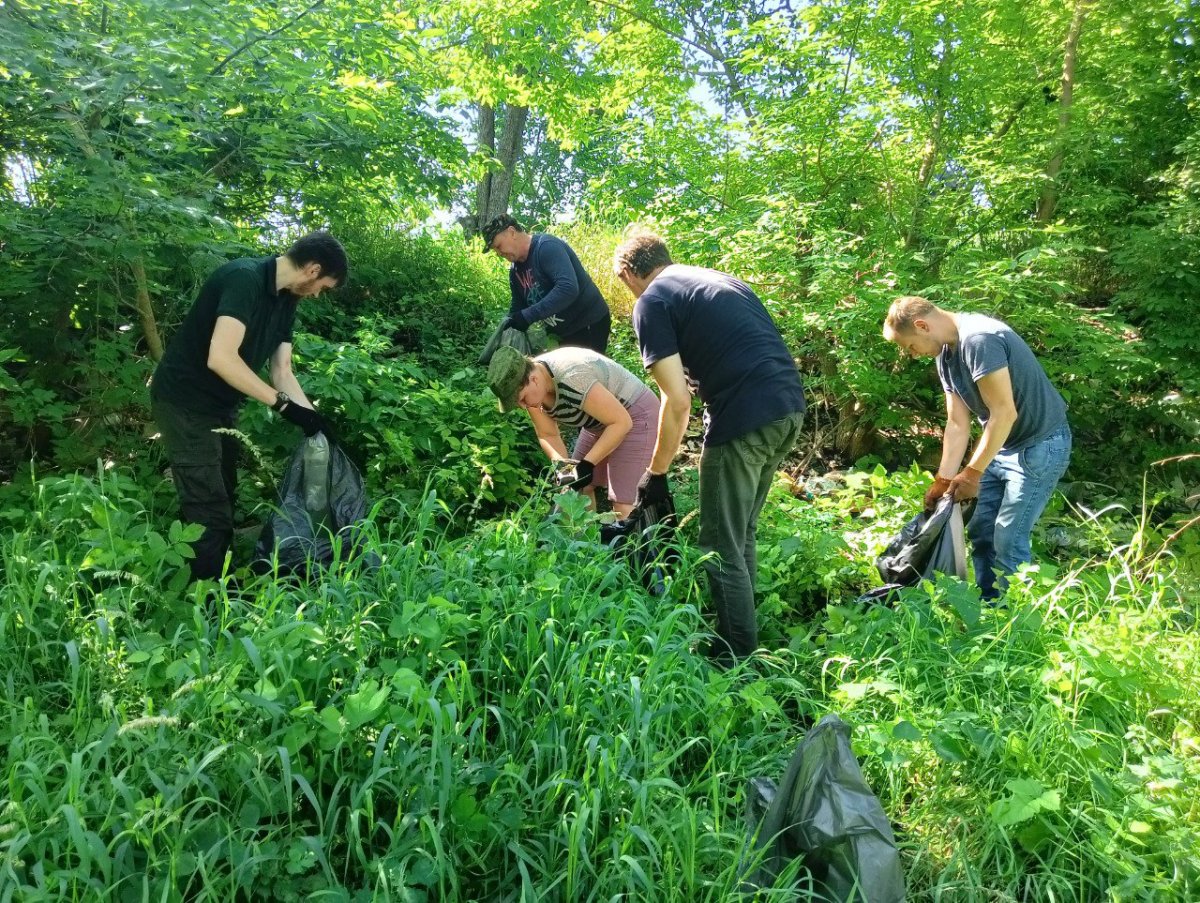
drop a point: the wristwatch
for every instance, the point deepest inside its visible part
(281, 401)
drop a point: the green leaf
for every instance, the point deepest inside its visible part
(464, 806)
(949, 746)
(367, 702)
(1027, 798)
(332, 722)
(856, 691)
(964, 601)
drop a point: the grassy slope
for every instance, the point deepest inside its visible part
(506, 715)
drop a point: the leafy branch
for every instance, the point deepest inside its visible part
(266, 36)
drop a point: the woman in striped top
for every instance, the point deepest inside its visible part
(616, 413)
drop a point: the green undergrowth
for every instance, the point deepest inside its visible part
(505, 714)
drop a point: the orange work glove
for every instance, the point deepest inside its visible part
(934, 493)
(966, 484)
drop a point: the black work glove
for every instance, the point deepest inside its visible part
(585, 471)
(515, 321)
(306, 418)
(653, 489)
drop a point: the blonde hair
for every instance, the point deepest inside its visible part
(904, 311)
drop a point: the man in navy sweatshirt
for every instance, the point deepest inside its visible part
(549, 285)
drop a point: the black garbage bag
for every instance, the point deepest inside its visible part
(321, 497)
(927, 545)
(823, 812)
(532, 341)
(645, 540)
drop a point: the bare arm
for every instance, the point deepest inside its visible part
(224, 361)
(602, 405)
(282, 377)
(956, 436)
(996, 389)
(674, 413)
(549, 436)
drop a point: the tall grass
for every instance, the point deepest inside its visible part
(507, 715)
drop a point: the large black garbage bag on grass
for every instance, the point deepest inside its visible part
(926, 545)
(644, 539)
(321, 497)
(824, 813)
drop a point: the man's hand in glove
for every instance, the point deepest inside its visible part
(966, 485)
(581, 479)
(653, 489)
(516, 321)
(934, 493)
(306, 418)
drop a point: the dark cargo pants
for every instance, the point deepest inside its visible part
(594, 336)
(204, 469)
(734, 480)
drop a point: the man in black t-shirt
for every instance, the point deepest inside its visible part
(702, 326)
(242, 318)
(549, 285)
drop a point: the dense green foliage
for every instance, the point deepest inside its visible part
(832, 155)
(499, 712)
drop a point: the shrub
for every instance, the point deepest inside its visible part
(412, 431)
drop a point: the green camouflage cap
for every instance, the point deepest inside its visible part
(506, 376)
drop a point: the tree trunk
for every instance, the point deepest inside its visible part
(145, 309)
(474, 224)
(495, 188)
(1049, 198)
(933, 147)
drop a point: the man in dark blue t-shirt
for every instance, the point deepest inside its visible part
(704, 327)
(549, 285)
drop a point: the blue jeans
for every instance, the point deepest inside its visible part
(1013, 493)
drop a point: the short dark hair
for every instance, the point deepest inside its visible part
(496, 226)
(321, 248)
(642, 254)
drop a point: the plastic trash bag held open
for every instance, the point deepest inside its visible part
(320, 497)
(927, 545)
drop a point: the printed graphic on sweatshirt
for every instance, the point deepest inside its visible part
(533, 294)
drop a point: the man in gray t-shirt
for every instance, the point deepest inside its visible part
(987, 370)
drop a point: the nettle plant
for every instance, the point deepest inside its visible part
(410, 430)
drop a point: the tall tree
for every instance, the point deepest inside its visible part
(1049, 197)
(495, 185)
